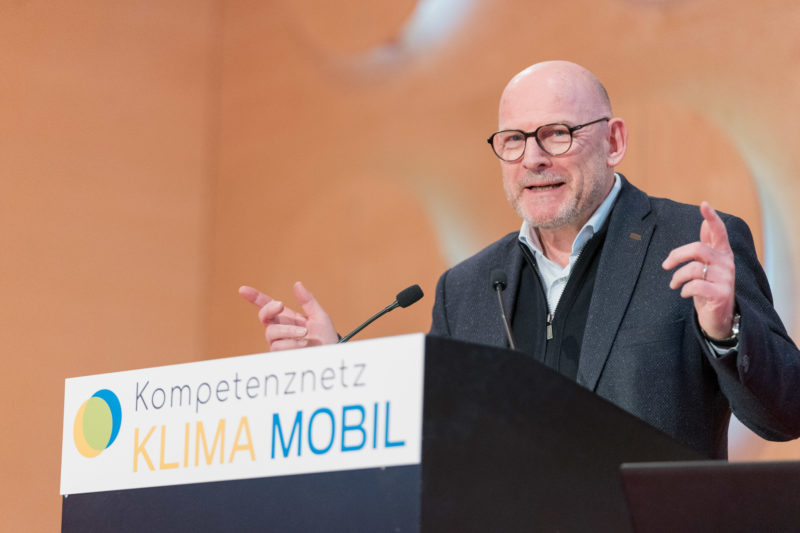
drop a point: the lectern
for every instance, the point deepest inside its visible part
(408, 433)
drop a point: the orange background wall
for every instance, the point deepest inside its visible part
(156, 155)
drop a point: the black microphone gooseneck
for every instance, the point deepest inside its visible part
(404, 298)
(499, 281)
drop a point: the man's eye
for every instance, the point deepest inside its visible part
(554, 135)
(558, 132)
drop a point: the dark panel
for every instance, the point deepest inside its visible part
(509, 445)
(714, 496)
(357, 500)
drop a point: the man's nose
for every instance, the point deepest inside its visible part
(534, 157)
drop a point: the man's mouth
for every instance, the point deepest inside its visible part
(544, 187)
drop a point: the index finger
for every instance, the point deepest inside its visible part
(694, 251)
(713, 230)
(254, 296)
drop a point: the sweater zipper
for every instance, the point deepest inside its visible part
(550, 316)
(532, 261)
(549, 320)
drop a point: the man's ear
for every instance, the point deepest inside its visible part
(617, 141)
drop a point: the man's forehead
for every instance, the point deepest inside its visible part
(530, 111)
(530, 101)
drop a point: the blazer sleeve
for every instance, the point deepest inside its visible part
(762, 378)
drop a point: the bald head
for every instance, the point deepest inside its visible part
(558, 193)
(554, 89)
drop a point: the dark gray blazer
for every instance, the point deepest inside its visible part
(642, 348)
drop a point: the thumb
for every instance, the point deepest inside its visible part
(307, 301)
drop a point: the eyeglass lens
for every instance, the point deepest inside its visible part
(555, 139)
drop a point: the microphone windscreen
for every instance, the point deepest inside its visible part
(408, 296)
(498, 277)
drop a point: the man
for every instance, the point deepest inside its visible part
(590, 291)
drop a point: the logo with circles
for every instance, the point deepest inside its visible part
(97, 423)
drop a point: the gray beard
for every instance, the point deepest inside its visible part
(567, 217)
(571, 213)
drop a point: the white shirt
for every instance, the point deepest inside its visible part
(553, 276)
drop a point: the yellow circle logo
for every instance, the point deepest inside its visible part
(97, 423)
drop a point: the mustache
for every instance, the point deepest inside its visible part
(541, 179)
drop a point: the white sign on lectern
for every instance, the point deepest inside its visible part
(321, 409)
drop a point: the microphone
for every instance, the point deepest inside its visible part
(404, 298)
(499, 282)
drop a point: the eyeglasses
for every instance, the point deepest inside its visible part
(554, 139)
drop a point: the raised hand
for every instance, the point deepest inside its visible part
(287, 329)
(708, 275)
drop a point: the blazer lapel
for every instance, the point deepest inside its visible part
(629, 234)
(510, 260)
(515, 261)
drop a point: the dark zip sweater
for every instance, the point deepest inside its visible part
(556, 340)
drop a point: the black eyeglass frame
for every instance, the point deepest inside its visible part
(535, 135)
